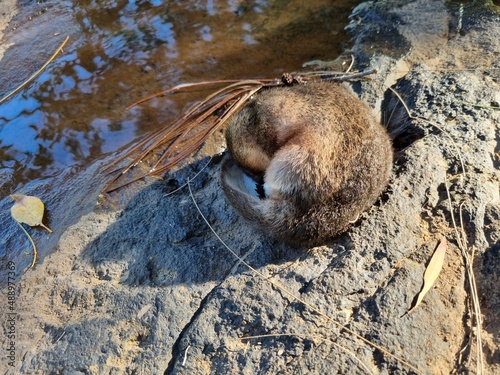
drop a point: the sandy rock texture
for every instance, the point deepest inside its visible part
(150, 289)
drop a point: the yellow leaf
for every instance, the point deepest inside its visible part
(28, 210)
(431, 272)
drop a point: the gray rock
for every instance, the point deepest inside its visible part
(149, 289)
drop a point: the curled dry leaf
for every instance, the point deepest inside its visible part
(431, 273)
(28, 210)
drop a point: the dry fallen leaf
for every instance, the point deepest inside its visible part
(28, 210)
(431, 273)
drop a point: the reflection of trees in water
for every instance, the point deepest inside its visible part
(132, 49)
(17, 168)
(6, 157)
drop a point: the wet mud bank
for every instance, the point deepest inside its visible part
(149, 288)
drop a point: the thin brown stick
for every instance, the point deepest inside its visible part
(346, 77)
(182, 86)
(468, 259)
(36, 73)
(194, 145)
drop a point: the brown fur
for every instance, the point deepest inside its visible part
(321, 154)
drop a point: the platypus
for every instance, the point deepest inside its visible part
(305, 161)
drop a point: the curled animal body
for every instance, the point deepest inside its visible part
(304, 161)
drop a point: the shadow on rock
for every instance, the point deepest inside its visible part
(161, 239)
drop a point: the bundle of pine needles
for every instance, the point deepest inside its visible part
(171, 144)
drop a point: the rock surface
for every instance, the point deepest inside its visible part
(150, 289)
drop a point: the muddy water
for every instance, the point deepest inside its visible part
(119, 51)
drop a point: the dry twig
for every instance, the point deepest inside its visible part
(36, 73)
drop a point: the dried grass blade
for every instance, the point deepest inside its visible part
(163, 135)
(203, 107)
(192, 124)
(197, 140)
(34, 75)
(189, 123)
(182, 86)
(330, 75)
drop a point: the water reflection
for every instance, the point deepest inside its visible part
(74, 113)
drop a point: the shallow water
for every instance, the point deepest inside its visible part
(119, 51)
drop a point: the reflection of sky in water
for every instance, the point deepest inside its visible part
(74, 112)
(26, 125)
(21, 105)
